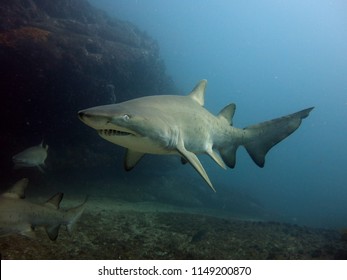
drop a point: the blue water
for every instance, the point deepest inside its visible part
(271, 58)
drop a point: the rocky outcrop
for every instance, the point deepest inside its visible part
(57, 57)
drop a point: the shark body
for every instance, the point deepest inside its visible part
(31, 157)
(169, 124)
(19, 216)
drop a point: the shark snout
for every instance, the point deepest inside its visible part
(91, 115)
(93, 119)
(83, 115)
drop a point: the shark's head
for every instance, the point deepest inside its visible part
(30, 157)
(109, 120)
(129, 125)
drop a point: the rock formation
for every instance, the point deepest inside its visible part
(57, 57)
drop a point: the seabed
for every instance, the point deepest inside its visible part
(116, 229)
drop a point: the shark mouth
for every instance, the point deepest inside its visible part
(113, 132)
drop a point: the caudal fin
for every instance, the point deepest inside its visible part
(70, 217)
(73, 214)
(260, 138)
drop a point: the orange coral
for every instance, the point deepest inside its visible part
(12, 37)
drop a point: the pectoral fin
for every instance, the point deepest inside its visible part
(194, 161)
(40, 169)
(131, 159)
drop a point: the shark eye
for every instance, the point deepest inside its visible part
(126, 117)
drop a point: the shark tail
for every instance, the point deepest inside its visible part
(260, 138)
(73, 215)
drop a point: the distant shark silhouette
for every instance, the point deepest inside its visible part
(32, 157)
(19, 216)
(169, 124)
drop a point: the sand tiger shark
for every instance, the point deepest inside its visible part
(19, 216)
(31, 157)
(170, 124)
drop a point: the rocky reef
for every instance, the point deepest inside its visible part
(61, 56)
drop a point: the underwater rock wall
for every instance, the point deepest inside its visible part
(58, 57)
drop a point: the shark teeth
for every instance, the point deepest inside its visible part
(112, 132)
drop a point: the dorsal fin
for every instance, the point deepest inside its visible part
(43, 146)
(54, 201)
(228, 113)
(17, 190)
(198, 93)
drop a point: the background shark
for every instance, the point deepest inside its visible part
(19, 216)
(169, 124)
(31, 157)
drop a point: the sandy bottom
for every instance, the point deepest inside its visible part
(111, 229)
